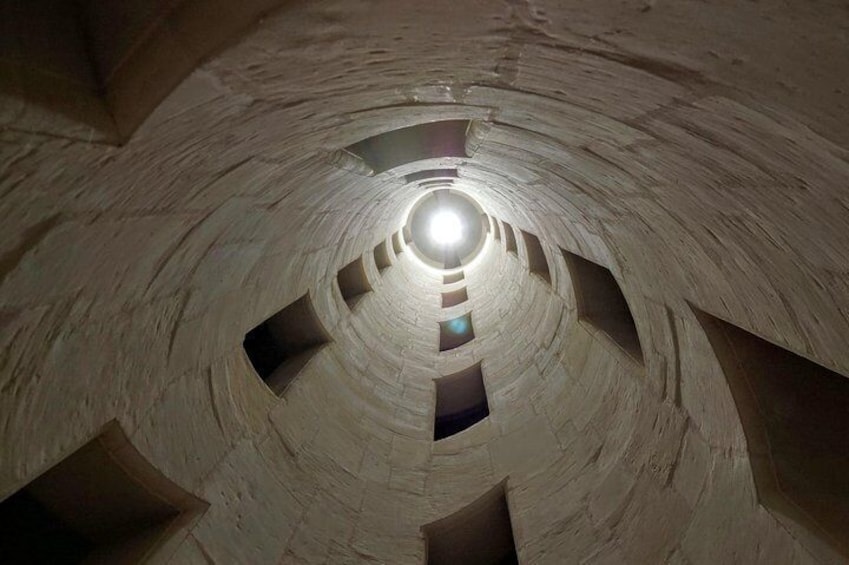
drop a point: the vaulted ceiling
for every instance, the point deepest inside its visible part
(661, 349)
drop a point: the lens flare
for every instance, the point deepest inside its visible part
(446, 228)
(458, 326)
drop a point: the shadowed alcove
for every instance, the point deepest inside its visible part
(456, 332)
(102, 504)
(279, 347)
(479, 534)
(195, 194)
(460, 402)
(794, 415)
(601, 304)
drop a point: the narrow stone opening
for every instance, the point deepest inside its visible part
(510, 239)
(381, 257)
(456, 332)
(415, 143)
(496, 230)
(104, 503)
(481, 533)
(453, 277)
(537, 263)
(796, 421)
(431, 174)
(283, 344)
(396, 243)
(454, 297)
(602, 305)
(460, 402)
(444, 183)
(353, 282)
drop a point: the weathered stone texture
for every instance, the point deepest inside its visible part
(696, 149)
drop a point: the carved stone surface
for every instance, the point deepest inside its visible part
(699, 150)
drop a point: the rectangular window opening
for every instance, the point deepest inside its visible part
(444, 183)
(453, 277)
(454, 297)
(431, 174)
(102, 503)
(423, 141)
(282, 345)
(537, 262)
(381, 257)
(510, 239)
(460, 402)
(795, 419)
(353, 282)
(478, 533)
(456, 332)
(601, 304)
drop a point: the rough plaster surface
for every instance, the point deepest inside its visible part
(698, 149)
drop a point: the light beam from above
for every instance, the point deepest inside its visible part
(446, 228)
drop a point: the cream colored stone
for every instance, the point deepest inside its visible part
(696, 149)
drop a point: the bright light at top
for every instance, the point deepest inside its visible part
(446, 228)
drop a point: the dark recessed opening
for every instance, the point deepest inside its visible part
(424, 141)
(381, 257)
(796, 421)
(282, 345)
(396, 243)
(437, 182)
(601, 304)
(454, 333)
(353, 282)
(479, 534)
(460, 402)
(510, 239)
(431, 174)
(453, 277)
(104, 503)
(537, 262)
(454, 297)
(496, 230)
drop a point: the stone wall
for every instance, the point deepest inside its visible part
(697, 150)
